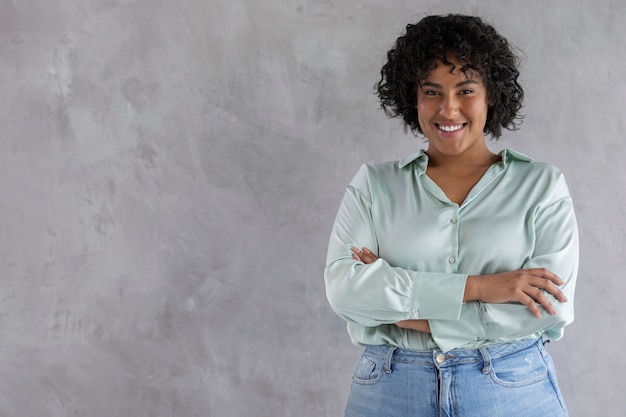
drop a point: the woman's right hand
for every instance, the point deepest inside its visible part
(367, 257)
(525, 286)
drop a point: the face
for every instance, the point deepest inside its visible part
(452, 111)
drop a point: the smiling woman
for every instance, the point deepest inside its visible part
(436, 39)
(452, 110)
(454, 265)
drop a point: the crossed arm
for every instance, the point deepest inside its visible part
(525, 286)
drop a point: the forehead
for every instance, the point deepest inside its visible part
(452, 68)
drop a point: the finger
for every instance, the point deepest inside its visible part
(368, 255)
(368, 258)
(532, 306)
(546, 274)
(550, 287)
(541, 298)
(356, 257)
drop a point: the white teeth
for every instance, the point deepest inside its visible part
(450, 128)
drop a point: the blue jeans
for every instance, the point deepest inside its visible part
(506, 380)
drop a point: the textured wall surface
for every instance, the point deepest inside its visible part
(170, 171)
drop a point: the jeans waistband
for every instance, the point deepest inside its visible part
(453, 357)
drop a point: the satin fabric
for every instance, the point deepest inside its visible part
(519, 215)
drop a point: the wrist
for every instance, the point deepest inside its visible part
(472, 292)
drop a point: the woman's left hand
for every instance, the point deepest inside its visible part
(367, 257)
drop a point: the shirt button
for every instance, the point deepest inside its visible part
(440, 358)
(416, 313)
(453, 220)
(452, 260)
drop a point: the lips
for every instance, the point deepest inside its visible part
(450, 127)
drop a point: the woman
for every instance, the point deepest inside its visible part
(453, 267)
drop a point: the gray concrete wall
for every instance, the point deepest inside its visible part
(170, 171)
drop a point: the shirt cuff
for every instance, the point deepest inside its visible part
(451, 334)
(437, 296)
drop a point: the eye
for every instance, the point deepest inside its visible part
(466, 91)
(430, 93)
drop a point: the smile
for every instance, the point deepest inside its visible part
(450, 128)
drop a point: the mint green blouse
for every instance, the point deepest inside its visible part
(519, 215)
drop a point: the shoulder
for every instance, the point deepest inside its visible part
(416, 161)
(544, 177)
(517, 161)
(377, 168)
(376, 175)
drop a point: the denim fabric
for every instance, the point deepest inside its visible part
(507, 380)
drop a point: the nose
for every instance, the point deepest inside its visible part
(449, 105)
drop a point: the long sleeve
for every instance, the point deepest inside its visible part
(556, 250)
(554, 233)
(379, 293)
(519, 215)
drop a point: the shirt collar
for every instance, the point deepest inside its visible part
(509, 154)
(421, 159)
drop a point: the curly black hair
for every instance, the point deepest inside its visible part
(475, 44)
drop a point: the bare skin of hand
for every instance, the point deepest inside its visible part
(367, 257)
(524, 286)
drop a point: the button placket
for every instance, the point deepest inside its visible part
(454, 224)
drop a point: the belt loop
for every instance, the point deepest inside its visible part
(387, 362)
(486, 360)
(541, 344)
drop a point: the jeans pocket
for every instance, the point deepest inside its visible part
(519, 369)
(369, 370)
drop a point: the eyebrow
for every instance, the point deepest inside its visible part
(435, 85)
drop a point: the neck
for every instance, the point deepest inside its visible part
(470, 158)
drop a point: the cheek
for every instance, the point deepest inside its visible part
(479, 108)
(424, 109)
